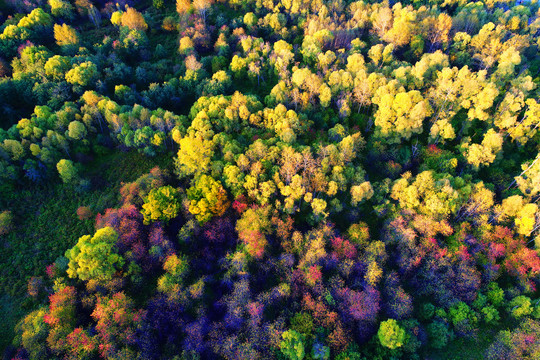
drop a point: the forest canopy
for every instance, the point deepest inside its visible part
(270, 179)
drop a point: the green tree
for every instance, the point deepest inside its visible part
(67, 171)
(61, 8)
(292, 345)
(95, 257)
(57, 66)
(161, 204)
(176, 268)
(438, 334)
(76, 130)
(32, 334)
(303, 323)
(82, 74)
(207, 198)
(390, 334)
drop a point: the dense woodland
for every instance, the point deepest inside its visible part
(269, 179)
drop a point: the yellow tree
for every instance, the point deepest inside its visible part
(65, 35)
(403, 26)
(202, 7)
(382, 20)
(361, 192)
(133, 20)
(400, 113)
(437, 29)
(529, 179)
(61, 8)
(194, 155)
(182, 8)
(485, 153)
(527, 126)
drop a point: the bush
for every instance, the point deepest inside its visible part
(84, 213)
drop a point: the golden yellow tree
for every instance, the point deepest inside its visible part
(133, 20)
(65, 35)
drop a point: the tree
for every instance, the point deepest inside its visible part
(320, 352)
(36, 19)
(520, 343)
(202, 6)
(390, 334)
(82, 74)
(361, 192)
(161, 204)
(252, 229)
(6, 222)
(400, 113)
(526, 219)
(207, 198)
(61, 317)
(292, 345)
(14, 148)
(437, 29)
(57, 66)
(520, 306)
(182, 7)
(382, 20)
(84, 213)
(94, 15)
(67, 171)
(438, 334)
(485, 153)
(76, 130)
(186, 46)
(133, 19)
(529, 180)
(61, 8)
(117, 325)
(65, 35)
(194, 155)
(403, 26)
(81, 344)
(95, 257)
(32, 334)
(176, 268)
